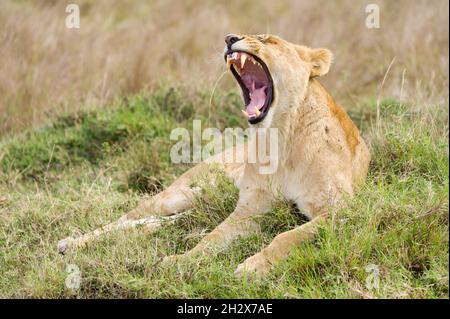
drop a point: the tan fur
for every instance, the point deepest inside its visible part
(321, 157)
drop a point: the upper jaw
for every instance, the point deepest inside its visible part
(255, 81)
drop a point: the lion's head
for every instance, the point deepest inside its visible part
(273, 73)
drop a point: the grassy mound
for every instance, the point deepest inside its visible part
(89, 168)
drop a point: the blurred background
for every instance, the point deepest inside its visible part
(124, 47)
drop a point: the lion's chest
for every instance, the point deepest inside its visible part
(293, 185)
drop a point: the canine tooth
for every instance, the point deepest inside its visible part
(243, 58)
(228, 62)
(258, 113)
(245, 113)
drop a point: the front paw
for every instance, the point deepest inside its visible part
(64, 245)
(256, 265)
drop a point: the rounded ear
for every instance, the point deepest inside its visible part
(320, 59)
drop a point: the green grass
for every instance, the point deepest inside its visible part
(89, 168)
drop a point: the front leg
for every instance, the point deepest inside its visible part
(251, 203)
(278, 249)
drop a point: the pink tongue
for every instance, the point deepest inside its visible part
(257, 99)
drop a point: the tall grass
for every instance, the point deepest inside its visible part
(123, 47)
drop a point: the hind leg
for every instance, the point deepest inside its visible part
(150, 213)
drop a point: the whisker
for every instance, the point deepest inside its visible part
(212, 94)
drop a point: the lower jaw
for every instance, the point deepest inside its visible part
(264, 111)
(257, 120)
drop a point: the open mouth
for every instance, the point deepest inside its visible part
(255, 81)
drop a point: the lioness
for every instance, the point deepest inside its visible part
(321, 153)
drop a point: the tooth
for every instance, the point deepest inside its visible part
(228, 62)
(245, 113)
(258, 113)
(243, 58)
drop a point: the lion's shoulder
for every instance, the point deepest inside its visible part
(338, 112)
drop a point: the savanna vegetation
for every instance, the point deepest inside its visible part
(85, 119)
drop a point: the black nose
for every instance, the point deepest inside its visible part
(230, 39)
